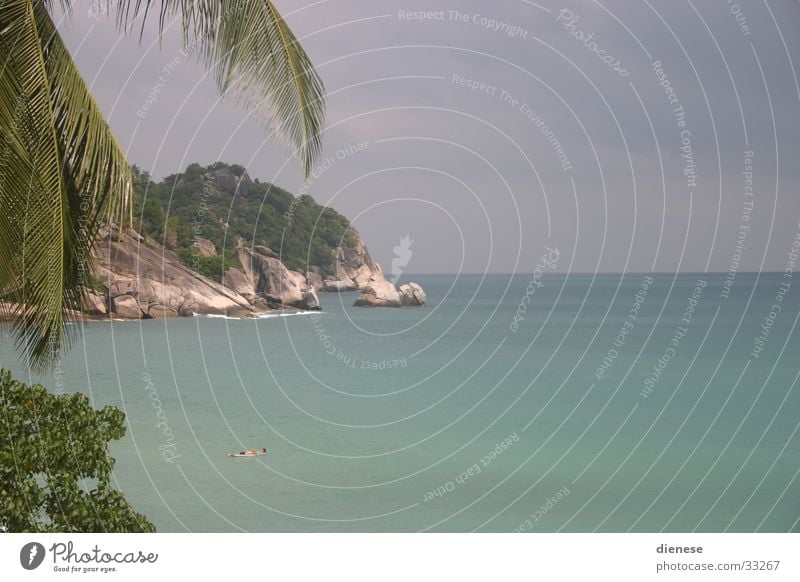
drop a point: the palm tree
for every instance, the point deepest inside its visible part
(62, 172)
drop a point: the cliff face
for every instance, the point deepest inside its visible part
(352, 267)
(263, 278)
(135, 277)
(138, 278)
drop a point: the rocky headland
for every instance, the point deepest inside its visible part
(167, 269)
(137, 278)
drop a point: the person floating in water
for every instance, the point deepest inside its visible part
(250, 453)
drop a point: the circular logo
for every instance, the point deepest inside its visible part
(31, 555)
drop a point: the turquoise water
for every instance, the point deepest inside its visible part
(450, 418)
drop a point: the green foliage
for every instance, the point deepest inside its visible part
(55, 469)
(302, 232)
(146, 210)
(96, 284)
(211, 267)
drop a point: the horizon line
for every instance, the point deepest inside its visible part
(766, 272)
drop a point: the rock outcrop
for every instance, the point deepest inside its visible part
(380, 293)
(205, 247)
(271, 280)
(383, 293)
(142, 279)
(238, 282)
(93, 304)
(230, 182)
(135, 278)
(126, 306)
(412, 295)
(353, 268)
(314, 279)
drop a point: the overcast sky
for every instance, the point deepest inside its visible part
(460, 118)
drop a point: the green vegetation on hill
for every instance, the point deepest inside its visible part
(205, 202)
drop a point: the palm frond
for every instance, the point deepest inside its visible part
(64, 174)
(255, 59)
(93, 161)
(33, 193)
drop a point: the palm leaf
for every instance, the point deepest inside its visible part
(34, 232)
(93, 160)
(255, 59)
(67, 174)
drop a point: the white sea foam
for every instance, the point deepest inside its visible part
(217, 316)
(271, 315)
(259, 316)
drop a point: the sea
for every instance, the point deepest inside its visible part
(531, 403)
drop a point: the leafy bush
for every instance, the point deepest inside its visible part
(55, 469)
(211, 267)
